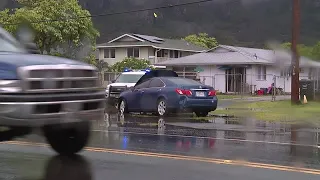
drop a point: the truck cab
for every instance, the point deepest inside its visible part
(57, 95)
(124, 81)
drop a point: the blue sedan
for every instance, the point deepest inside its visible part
(163, 92)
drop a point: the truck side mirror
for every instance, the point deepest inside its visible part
(32, 48)
(113, 81)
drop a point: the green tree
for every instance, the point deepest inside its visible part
(132, 63)
(101, 65)
(65, 37)
(316, 51)
(311, 52)
(202, 39)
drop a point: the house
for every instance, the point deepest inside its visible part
(239, 69)
(153, 48)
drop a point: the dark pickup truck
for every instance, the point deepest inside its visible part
(57, 95)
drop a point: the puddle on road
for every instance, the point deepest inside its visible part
(225, 138)
(217, 137)
(246, 129)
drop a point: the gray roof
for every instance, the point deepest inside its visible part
(232, 55)
(156, 42)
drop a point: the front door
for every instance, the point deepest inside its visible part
(235, 78)
(135, 97)
(149, 99)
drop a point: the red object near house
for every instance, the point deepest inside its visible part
(211, 143)
(260, 92)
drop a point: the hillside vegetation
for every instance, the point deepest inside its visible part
(234, 22)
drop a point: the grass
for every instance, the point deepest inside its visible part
(274, 111)
(228, 96)
(237, 96)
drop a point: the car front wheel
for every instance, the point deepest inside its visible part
(68, 140)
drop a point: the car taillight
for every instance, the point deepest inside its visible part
(212, 93)
(184, 92)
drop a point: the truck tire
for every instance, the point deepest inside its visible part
(68, 140)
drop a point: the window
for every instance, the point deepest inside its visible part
(133, 52)
(184, 81)
(128, 78)
(174, 54)
(109, 53)
(285, 72)
(143, 85)
(311, 73)
(160, 53)
(156, 83)
(262, 72)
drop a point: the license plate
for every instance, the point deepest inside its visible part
(200, 94)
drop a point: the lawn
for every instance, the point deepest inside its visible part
(274, 111)
(229, 96)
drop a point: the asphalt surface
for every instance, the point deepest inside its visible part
(141, 147)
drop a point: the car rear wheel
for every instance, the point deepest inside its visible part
(123, 109)
(162, 109)
(202, 113)
(68, 140)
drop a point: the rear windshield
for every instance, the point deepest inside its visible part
(184, 81)
(128, 78)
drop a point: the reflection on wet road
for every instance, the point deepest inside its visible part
(136, 147)
(233, 139)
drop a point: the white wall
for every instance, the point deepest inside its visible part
(215, 77)
(259, 83)
(272, 72)
(121, 53)
(285, 82)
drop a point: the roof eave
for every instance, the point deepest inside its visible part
(131, 36)
(146, 45)
(199, 63)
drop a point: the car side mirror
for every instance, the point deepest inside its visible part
(113, 81)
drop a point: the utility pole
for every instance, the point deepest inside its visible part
(295, 55)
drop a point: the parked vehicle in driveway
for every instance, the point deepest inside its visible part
(163, 92)
(124, 81)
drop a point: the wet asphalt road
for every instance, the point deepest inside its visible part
(176, 148)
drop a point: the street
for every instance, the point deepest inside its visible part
(173, 148)
(32, 162)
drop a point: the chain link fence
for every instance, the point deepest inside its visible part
(241, 84)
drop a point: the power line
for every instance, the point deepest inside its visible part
(121, 12)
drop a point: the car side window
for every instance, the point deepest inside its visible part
(143, 85)
(156, 83)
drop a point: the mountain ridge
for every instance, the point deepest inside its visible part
(235, 22)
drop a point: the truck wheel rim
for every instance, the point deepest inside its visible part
(162, 108)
